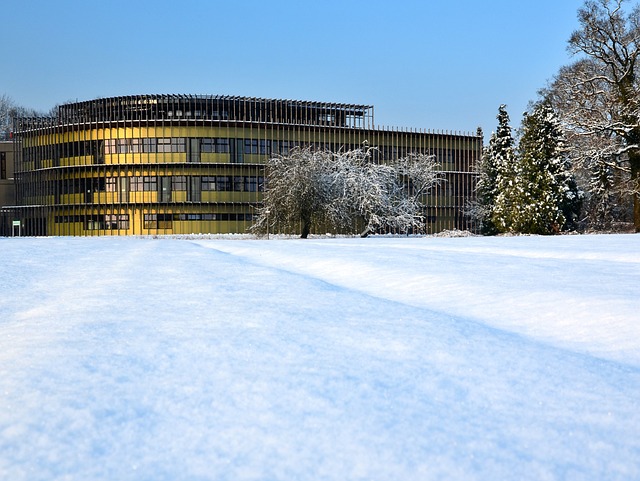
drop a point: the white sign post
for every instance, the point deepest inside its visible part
(18, 224)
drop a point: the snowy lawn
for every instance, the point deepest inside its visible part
(326, 359)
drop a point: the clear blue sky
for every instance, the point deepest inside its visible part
(440, 65)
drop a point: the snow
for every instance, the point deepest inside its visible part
(384, 358)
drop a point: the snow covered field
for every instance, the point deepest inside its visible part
(325, 359)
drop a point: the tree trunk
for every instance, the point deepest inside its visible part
(306, 228)
(634, 163)
(365, 233)
(636, 212)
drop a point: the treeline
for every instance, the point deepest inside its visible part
(9, 110)
(575, 161)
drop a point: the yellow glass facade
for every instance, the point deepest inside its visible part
(180, 164)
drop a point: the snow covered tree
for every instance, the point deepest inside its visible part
(600, 202)
(543, 194)
(598, 97)
(494, 168)
(297, 192)
(309, 188)
(388, 195)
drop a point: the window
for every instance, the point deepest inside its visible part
(265, 147)
(136, 184)
(110, 146)
(222, 146)
(250, 146)
(252, 184)
(149, 145)
(164, 145)
(150, 221)
(111, 184)
(158, 221)
(194, 150)
(179, 182)
(94, 222)
(194, 189)
(209, 183)
(146, 183)
(116, 221)
(217, 145)
(164, 189)
(3, 165)
(165, 221)
(150, 184)
(136, 145)
(223, 183)
(207, 145)
(172, 144)
(123, 146)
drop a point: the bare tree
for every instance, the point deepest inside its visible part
(297, 191)
(310, 188)
(10, 110)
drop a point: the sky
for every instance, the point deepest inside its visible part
(436, 65)
(414, 359)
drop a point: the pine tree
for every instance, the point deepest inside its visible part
(497, 176)
(543, 194)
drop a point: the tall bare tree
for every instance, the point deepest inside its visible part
(598, 96)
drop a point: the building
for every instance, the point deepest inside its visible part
(7, 190)
(181, 164)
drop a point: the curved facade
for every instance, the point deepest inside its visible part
(182, 164)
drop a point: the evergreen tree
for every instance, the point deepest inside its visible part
(543, 195)
(497, 174)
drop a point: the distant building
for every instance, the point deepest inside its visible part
(7, 189)
(181, 164)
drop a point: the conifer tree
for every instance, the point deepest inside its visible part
(497, 175)
(496, 158)
(543, 195)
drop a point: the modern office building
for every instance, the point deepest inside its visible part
(7, 189)
(182, 164)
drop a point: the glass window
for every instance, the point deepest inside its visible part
(265, 147)
(111, 184)
(207, 145)
(110, 146)
(116, 221)
(165, 221)
(178, 144)
(94, 222)
(222, 146)
(136, 184)
(179, 182)
(150, 183)
(209, 183)
(136, 145)
(223, 183)
(164, 144)
(150, 221)
(123, 146)
(250, 146)
(194, 189)
(149, 145)
(252, 184)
